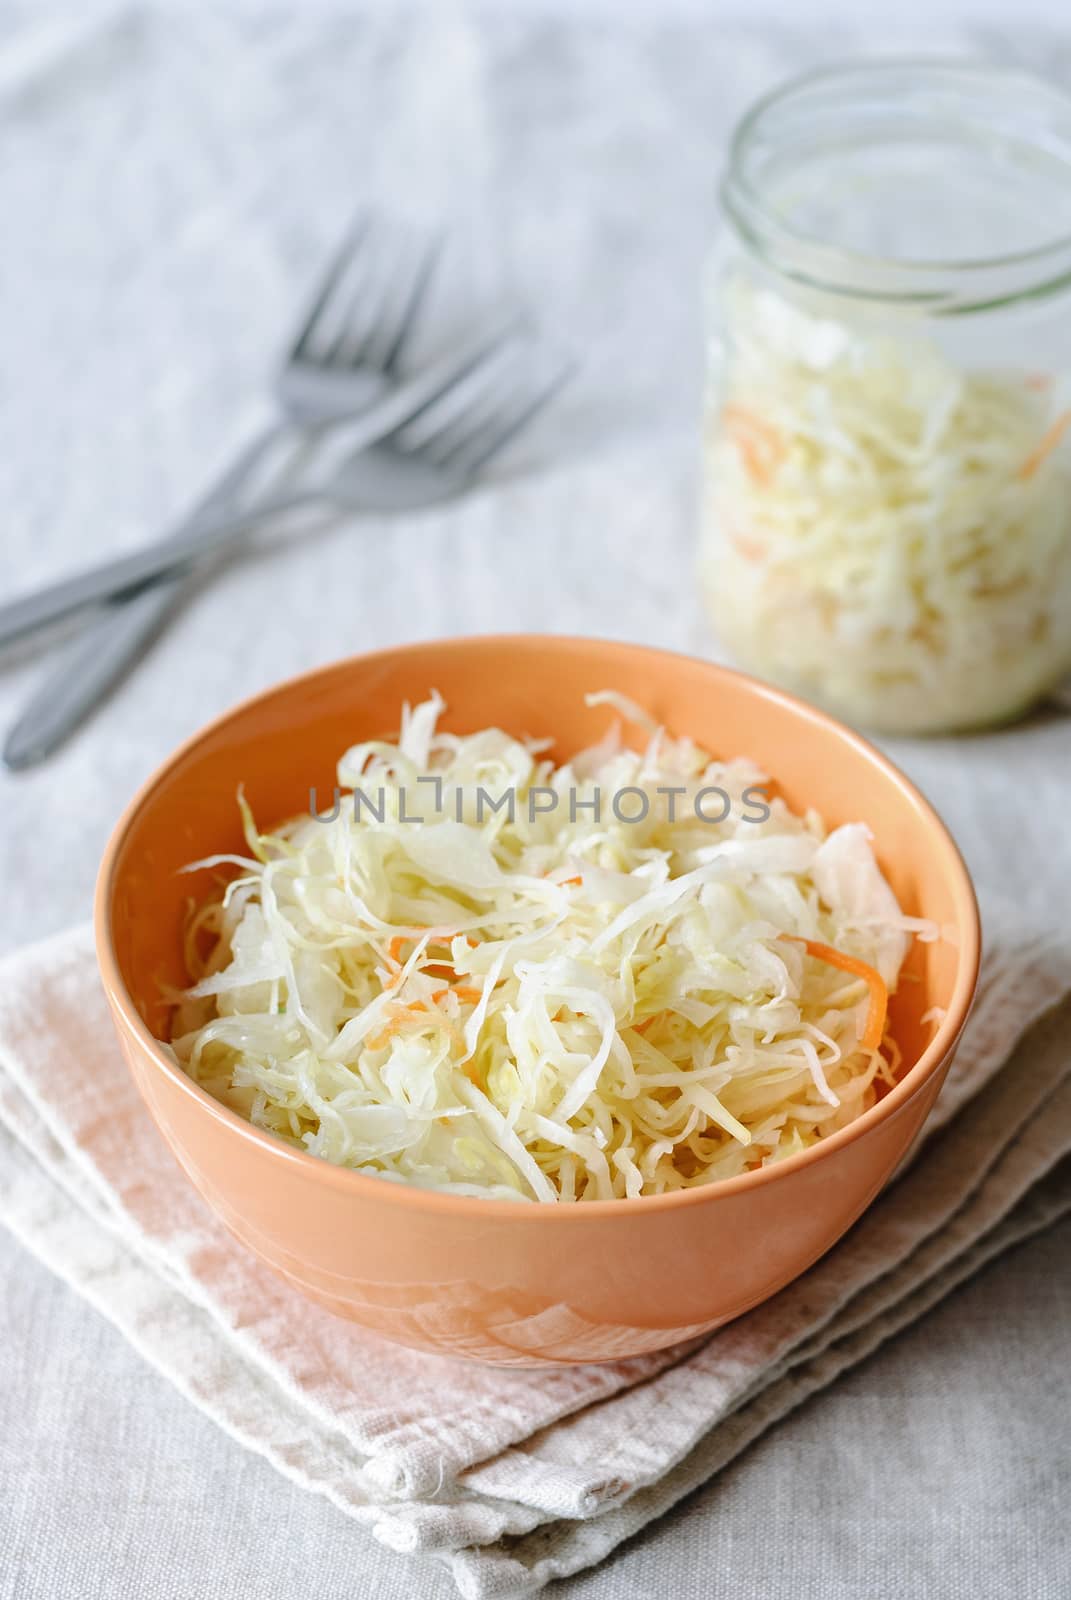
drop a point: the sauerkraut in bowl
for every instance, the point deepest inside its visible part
(483, 973)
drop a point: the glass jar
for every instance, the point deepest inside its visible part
(887, 445)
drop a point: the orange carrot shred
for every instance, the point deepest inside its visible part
(563, 881)
(395, 947)
(759, 443)
(396, 1023)
(465, 991)
(750, 549)
(1049, 440)
(754, 461)
(874, 1031)
(419, 1011)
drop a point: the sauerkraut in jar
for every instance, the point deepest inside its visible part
(887, 517)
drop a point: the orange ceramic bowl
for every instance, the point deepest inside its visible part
(521, 1284)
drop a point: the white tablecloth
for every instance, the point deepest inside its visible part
(169, 183)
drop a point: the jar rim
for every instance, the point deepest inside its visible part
(847, 270)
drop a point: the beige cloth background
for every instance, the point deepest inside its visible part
(170, 181)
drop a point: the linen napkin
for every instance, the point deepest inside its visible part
(512, 1478)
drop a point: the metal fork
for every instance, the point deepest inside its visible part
(341, 361)
(432, 454)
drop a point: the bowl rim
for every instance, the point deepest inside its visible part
(398, 1192)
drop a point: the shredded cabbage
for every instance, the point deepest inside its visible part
(885, 532)
(551, 1005)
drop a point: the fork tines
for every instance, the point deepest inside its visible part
(477, 416)
(370, 296)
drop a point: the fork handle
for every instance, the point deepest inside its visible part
(113, 579)
(97, 659)
(209, 527)
(113, 638)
